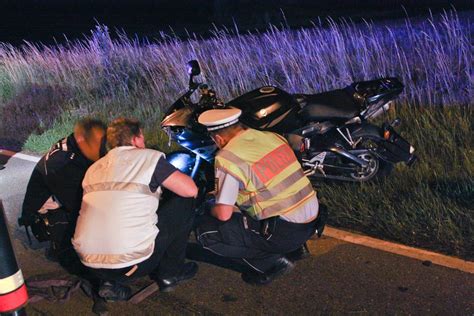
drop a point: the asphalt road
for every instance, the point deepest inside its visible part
(339, 278)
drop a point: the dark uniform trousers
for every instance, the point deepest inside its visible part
(242, 238)
(175, 221)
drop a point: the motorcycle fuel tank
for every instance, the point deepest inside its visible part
(267, 108)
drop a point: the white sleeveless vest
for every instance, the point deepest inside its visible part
(116, 227)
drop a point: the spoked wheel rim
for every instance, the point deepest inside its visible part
(366, 173)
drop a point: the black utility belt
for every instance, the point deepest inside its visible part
(267, 226)
(50, 226)
(299, 226)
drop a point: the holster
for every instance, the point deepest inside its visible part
(267, 226)
(51, 226)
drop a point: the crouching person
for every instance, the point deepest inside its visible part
(277, 206)
(120, 234)
(54, 193)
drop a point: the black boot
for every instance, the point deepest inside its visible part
(114, 291)
(281, 267)
(298, 254)
(188, 272)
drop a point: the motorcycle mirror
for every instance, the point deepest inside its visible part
(193, 68)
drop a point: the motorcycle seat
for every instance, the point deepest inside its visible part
(331, 105)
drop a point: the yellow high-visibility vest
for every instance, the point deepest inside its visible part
(272, 178)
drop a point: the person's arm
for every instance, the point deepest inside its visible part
(42, 183)
(181, 184)
(37, 193)
(226, 195)
(222, 212)
(168, 176)
(67, 186)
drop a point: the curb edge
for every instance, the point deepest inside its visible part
(399, 249)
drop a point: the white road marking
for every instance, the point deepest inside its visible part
(411, 252)
(26, 157)
(21, 156)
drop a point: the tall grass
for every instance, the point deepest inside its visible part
(432, 57)
(430, 204)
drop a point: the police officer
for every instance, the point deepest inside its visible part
(55, 186)
(277, 208)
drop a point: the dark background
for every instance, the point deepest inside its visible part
(48, 21)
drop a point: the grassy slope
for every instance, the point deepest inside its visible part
(43, 89)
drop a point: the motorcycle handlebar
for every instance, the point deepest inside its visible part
(208, 96)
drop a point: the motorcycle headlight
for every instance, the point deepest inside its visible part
(183, 162)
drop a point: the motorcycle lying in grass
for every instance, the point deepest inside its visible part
(329, 132)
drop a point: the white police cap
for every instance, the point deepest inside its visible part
(219, 118)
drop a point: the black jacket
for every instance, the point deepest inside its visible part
(59, 173)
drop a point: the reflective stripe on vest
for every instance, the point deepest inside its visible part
(120, 186)
(272, 179)
(114, 259)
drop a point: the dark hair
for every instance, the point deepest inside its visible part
(121, 131)
(87, 126)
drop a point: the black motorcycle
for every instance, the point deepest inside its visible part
(329, 132)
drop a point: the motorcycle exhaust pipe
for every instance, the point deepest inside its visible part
(348, 155)
(13, 294)
(377, 112)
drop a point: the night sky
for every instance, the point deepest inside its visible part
(47, 21)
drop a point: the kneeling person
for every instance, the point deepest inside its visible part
(54, 189)
(118, 234)
(277, 206)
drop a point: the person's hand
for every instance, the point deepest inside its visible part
(205, 207)
(211, 194)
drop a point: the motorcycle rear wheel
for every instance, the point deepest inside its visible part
(376, 168)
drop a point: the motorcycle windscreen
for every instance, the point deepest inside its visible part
(267, 108)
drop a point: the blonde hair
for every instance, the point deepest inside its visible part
(121, 132)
